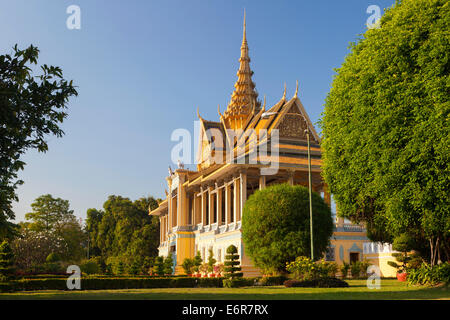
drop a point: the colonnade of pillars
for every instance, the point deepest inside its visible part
(221, 203)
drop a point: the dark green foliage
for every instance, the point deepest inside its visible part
(124, 229)
(211, 261)
(276, 226)
(238, 282)
(104, 283)
(53, 257)
(272, 280)
(147, 265)
(32, 107)
(120, 268)
(90, 266)
(53, 218)
(134, 268)
(344, 268)
(404, 244)
(232, 265)
(188, 265)
(429, 275)
(210, 282)
(168, 265)
(197, 262)
(6, 261)
(355, 269)
(317, 283)
(158, 267)
(386, 132)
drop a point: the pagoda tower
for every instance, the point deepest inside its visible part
(244, 101)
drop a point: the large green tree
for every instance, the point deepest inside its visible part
(124, 229)
(276, 226)
(49, 214)
(32, 107)
(386, 132)
(53, 216)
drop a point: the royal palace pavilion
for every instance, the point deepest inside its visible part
(250, 146)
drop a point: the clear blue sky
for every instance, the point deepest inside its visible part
(143, 67)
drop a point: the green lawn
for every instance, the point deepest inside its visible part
(390, 289)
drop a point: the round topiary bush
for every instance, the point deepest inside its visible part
(276, 226)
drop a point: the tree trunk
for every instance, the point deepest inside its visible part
(432, 252)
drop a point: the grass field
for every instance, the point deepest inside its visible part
(390, 289)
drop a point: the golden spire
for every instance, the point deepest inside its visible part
(244, 94)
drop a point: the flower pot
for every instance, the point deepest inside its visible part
(401, 276)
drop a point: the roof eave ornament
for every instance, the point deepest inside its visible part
(284, 93)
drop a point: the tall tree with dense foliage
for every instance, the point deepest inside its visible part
(32, 107)
(386, 132)
(49, 213)
(31, 248)
(53, 216)
(124, 229)
(276, 226)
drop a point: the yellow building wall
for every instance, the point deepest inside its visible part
(381, 260)
(185, 249)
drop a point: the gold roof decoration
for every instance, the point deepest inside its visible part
(244, 96)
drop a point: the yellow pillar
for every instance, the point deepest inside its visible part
(262, 182)
(243, 192)
(228, 212)
(236, 203)
(219, 198)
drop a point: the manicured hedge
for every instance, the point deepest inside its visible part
(238, 282)
(273, 280)
(317, 283)
(97, 283)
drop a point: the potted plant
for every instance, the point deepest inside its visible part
(402, 244)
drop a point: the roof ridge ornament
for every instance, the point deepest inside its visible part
(264, 105)
(296, 91)
(198, 114)
(284, 93)
(218, 110)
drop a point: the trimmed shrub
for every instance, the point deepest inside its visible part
(185, 282)
(210, 282)
(188, 265)
(317, 283)
(232, 266)
(168, 265)
(6, 261)
(90, 266)
(276, 226)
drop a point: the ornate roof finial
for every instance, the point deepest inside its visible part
(218, 110)
(244, 36)
(264, 105)
(198, 113)
(296, 91)
(284, 93)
